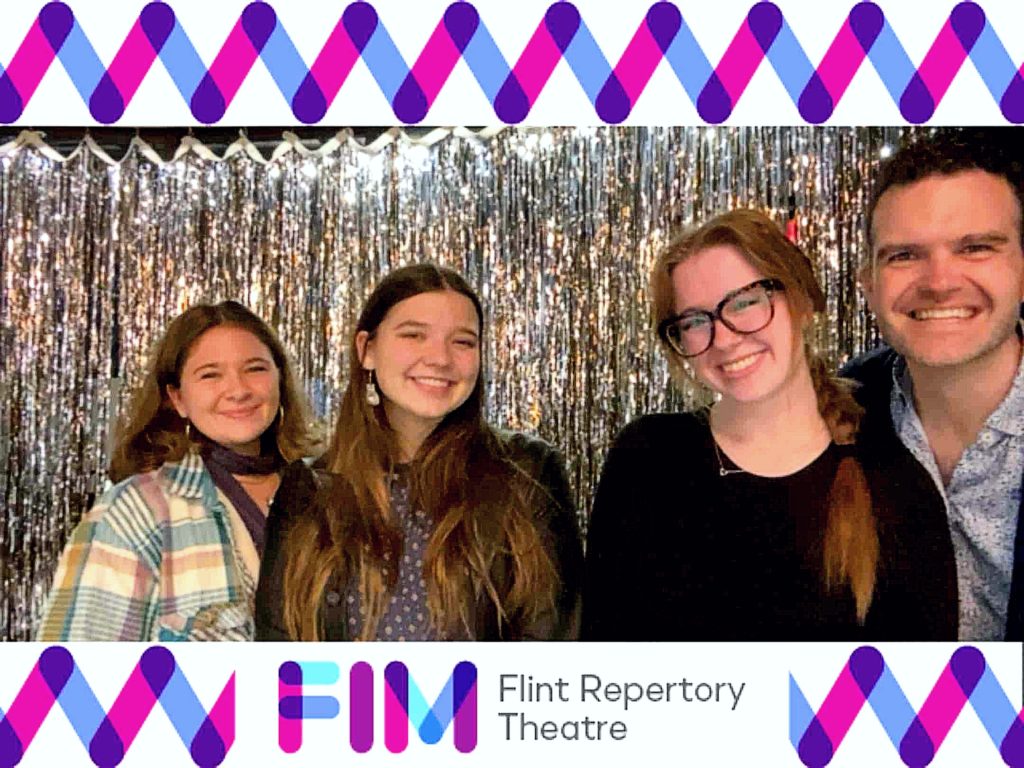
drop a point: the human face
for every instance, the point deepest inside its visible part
(742, 367)
(425, 355)
(230, 388)
(947, 273)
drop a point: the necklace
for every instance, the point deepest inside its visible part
(261, 489)
(722, 470)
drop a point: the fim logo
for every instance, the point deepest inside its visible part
(107, 736)
(404, 704)
(916, 735)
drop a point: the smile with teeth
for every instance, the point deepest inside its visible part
(943, 313)
(741, 364)
(240, 413)
(432, 381)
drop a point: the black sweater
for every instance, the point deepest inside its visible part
(678, 552)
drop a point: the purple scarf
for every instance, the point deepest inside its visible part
(223, 464)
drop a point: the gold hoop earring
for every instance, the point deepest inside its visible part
(372, 395)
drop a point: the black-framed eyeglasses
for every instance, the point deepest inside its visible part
(745, 310)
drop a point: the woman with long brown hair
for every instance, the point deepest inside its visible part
(171, 551)
(428, 523)
(764, 516)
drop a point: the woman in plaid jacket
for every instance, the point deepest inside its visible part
(172, 550)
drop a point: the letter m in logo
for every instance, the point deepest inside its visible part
(404, 704)
(56, 679)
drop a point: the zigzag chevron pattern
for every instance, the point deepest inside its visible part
(157, 678)
(562, 34)
(917, 736)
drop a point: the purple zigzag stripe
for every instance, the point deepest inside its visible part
(119, 727)
(927, 730)
(622, 87)
(841, 62)
(942, 62)
(332, 67)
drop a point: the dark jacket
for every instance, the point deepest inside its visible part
(672, 556)
(875, 372)
(555, 517)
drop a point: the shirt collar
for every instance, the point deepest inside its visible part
(188, 477)
(1008, 417)
(902, 384)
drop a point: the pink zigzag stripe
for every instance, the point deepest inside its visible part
(335, 62)
(222, 715)
(942, 62)
(532, 70)
(841, 62)
(132, 706)
(638, 63)
(740, 62)
(536, 63)
(33, 57)
(31, 706)
(436, 62)
(233, 62)
(942, 707)
(132, 62)
(841, 706)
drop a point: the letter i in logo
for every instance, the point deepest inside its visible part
(293, 706)
(360, 711)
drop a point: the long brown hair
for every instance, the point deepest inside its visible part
(151, 432)
(850, 549)
(462, 477)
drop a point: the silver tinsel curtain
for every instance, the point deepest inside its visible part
(557, 228)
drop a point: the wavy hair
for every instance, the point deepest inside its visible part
(463, 477)
(851, 545)
(151, 432)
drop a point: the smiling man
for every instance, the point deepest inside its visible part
(945, 405)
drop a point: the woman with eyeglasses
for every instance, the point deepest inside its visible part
(429, 523)
(762, 517)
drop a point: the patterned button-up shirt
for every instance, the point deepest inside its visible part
(406, 616)
(154, 560)
(982, 502)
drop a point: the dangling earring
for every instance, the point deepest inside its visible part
(280, 415)
(372, 396)
(188, 431)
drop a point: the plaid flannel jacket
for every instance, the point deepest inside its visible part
(154, 560)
